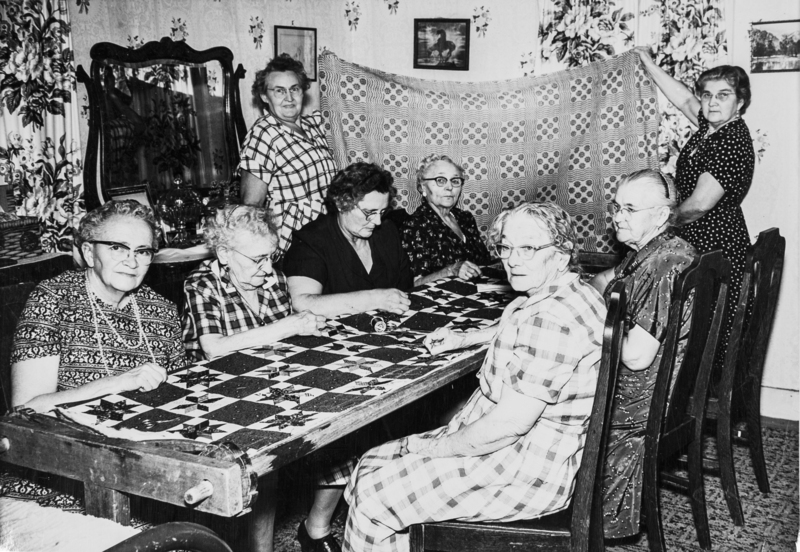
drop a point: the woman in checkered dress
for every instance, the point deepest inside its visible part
(514, 450)
(238, 300)
(286, 164)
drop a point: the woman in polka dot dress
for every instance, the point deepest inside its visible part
(715, 168)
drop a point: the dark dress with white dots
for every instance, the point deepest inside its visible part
(728, 156)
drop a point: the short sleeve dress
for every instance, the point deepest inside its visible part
(728, 156)
(547, 347)
(649, 275)
(432, 245)
(297, 170)
(57, 320)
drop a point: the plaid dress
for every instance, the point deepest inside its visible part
(296, 169)
(214, 306)
(548, 347)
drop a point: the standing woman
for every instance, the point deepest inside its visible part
(285, 161)
(715, 167)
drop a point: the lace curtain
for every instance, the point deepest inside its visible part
(40, 157)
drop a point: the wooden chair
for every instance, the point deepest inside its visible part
(739, 393)
(677, 424)
(576, 529)
(177, 535)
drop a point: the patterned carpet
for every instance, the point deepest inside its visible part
(771, 520)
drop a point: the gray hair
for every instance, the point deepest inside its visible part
(663, 185)
(222, 227)
(555, 219)
(92, 224)
(430, 160)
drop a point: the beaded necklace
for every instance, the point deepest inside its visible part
(95, 307)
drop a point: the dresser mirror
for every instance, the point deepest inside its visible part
(160, 112)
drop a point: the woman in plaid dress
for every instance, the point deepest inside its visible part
(286, 164)
(514, 450)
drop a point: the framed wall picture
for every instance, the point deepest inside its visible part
(775, 46)
(441, 44)
(301, 44)
(140, 193)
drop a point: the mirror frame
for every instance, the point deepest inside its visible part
(165, 50)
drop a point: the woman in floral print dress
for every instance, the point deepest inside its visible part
(440, 239)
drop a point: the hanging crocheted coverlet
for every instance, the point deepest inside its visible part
(567, 137)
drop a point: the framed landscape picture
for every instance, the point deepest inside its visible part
(775, 46)
(441, 44)
(301, 44)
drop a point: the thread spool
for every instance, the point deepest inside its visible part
(378, 324)
(199, 492)
(5, 445)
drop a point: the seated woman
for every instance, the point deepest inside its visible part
(350, 260)
(643, 209)
(93, 332)
(442, 240)
(514, 450)
(238, 300)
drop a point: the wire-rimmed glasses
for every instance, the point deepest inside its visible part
(525, 252)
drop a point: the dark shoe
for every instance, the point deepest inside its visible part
(307, 544)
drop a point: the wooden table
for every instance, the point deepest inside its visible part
(351, 394)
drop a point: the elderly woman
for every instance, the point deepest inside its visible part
(514, 450)
(238, 300)
(285, 161)
(442, 240)
(93, 332)
(643, 209)
(350, 260)
(715, 168)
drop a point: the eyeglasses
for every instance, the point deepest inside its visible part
(282, 92)
(369, 215)
(121, 252)
(441, 181)
(720, 96)
(258, 261)
(614, 208)
(525, 252)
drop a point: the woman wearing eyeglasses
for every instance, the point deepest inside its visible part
(442, 240)
(238, 300)
(642, 210)
(351, 260)
(513, 451)
(93, 332)
(715, 168)
(285, 161)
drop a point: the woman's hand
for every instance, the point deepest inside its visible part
(145, 377)
(414, 444)
(465, 270)
(443, 339)
(391, 300)
(644, 53)
(306, 323)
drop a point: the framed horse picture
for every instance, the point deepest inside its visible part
(441, 44)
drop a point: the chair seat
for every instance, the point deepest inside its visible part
(529, 534)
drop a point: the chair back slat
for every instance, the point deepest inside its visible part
(587, 500)
(702, 288)
(764, 266)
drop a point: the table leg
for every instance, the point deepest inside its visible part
(261, 520)
(107, 503)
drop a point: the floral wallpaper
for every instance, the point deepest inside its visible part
(687, 37)
(40, 155)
